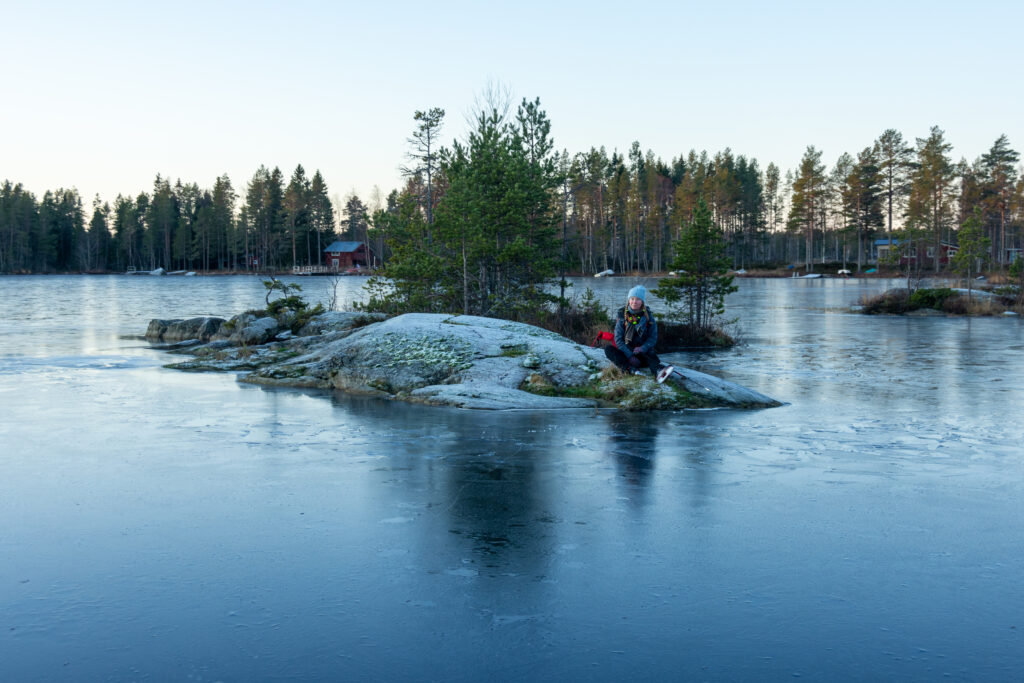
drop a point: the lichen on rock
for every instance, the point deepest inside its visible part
(403, 349)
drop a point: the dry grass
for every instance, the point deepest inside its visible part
(612, 373)
(981, 306)
(999, 279)
(898, 302)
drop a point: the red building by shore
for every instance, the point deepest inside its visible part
(345, 255)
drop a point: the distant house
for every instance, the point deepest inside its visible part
(345, 255)
(922, 250)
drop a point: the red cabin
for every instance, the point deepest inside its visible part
(345, 255)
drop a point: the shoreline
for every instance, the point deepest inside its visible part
(995, 278)
(760, 274)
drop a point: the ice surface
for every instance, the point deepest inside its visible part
(163, 525)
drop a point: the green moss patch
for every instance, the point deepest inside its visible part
(514, 350)
(614, 388)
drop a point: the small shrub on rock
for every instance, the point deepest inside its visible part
(893, 301)
(579, 319)
(674, 336)
(931, 298)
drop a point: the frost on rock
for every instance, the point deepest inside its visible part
(463, 361)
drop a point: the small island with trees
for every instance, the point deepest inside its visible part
(471, 308)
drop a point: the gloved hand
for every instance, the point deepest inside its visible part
(636, 349)
(634, 362)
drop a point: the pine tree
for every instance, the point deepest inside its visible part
(751, 209)
(696, 295)
(929, 207)
(808, 201)
(424, 154)
(895, 161)
(863, 197)
(846, 192)
(999, 167)
(773, 204)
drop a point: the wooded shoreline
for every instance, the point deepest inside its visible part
(750, 274)
(622, 211)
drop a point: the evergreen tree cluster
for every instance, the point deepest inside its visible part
(481, 240)
(585, 212)
(695, 293)
(910, 195)
(175, 227)
(625, 212)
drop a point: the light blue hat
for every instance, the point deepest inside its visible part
(640, 292)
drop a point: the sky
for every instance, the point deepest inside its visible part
(103, 96)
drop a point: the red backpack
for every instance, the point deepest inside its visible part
(603, 336)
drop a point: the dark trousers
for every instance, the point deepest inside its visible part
(647, 360)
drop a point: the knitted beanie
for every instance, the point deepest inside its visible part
(639, 292)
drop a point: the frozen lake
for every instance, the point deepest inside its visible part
(159, 525)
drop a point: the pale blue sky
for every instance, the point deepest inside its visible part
(102, 96)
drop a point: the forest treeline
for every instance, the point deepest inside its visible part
(175, 227)
(621, 211)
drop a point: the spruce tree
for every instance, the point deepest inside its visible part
(356, 221)
(321, 214)
(696, 295)
(296, 207)
(222, 224)
(972, 251)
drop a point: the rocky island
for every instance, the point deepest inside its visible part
(436, 359)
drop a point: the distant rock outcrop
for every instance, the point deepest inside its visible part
(463, 361)
(202, 329)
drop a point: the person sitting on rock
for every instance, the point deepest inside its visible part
(636, 333)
